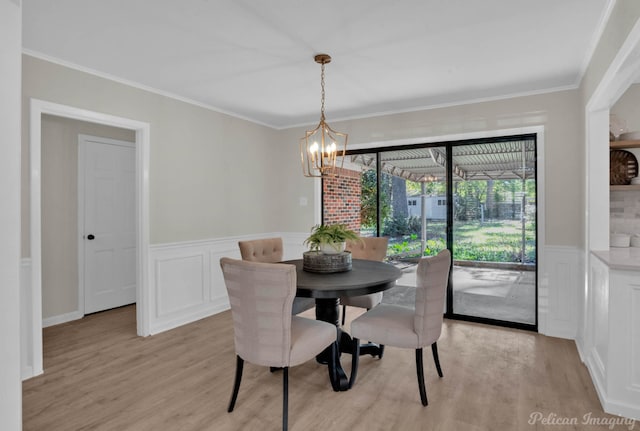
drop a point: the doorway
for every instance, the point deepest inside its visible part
(32, 329)
(476, 197)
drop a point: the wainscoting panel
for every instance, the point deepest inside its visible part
(186, 280)
(181, 283)
(560, 276)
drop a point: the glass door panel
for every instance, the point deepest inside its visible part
(494, 232)
(415, 194)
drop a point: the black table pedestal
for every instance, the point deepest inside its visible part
(328, 310)
(365, 277)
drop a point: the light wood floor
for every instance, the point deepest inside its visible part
(100, 376)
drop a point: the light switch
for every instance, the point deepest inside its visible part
(303, 201)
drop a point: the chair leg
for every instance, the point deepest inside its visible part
(236, 384)
(420, 372)
(344, 314)
(434, 349)
(285, 398)
(355, 358)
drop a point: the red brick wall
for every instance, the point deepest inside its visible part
(341, 197)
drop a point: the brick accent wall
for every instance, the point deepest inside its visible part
(341, 199)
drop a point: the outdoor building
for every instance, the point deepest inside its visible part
(436, 207)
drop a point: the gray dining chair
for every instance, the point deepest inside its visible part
(410, 328)
(368, 248)
(265, 331)
(271, 250)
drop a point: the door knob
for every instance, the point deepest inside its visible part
(90, 237)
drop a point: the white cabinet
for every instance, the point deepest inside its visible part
(611, 342)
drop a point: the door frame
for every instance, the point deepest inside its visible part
(142, 144)
(450, 312)
(622, 72)
(82, 161)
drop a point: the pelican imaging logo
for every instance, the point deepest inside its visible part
(588, 419)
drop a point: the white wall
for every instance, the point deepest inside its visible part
(10, 48)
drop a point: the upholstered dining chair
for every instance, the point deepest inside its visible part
(368, 248)
(265, 332)
(270, 250)
(411, 328)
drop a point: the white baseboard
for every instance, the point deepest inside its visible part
(609, 405)
(184, 318)
(62, 318)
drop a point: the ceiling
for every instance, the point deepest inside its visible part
(254, 58)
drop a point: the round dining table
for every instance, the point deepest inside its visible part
(366, 276)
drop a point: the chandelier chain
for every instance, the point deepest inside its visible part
(322, 94)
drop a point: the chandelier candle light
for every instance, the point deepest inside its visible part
(319, 147)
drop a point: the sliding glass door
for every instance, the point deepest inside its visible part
(476, 198)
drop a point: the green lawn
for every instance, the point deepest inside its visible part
(495, 241)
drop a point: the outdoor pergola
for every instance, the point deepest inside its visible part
(493, 161)
(506, 160)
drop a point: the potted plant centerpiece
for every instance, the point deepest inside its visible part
(330, 239)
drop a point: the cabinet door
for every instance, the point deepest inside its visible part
(624, 342)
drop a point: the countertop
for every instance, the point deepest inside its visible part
(627, 258)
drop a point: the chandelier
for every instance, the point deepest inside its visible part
(321, 147)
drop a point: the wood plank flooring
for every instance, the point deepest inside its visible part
(100, 376)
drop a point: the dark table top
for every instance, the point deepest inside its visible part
(366, 276)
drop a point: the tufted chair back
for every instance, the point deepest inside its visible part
(370, 248)
(267, 250)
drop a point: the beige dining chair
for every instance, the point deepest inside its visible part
(265, 332)
(410, 328)
(271, 250)
(368, 248)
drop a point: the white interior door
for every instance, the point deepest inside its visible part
(108, 228)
